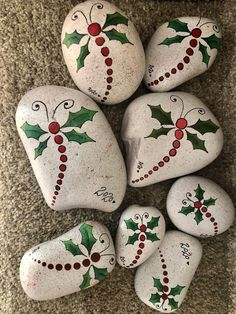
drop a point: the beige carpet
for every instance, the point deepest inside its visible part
(31, 56)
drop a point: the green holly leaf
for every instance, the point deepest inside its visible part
(205, 55)
(178, 26)
(158, 285)
(41, 147)
(100, 273)
(162, 116)
(84, 52)
(155, 298)
(198, 216)
(153, 223)
(32, 131)
(72, 38)
(158, 132)
(210, 202)
(72, 247)
(130, 224)
(78, 137)
(172, 40)
(186, 210)
(196, 141)
(213, 41)
(115, 35)
(151, 236)
(132, 239)
(204, 127)
(173, 304)
(176, 290)
(77, 119)
(88, 239)
(115, 19)
(86, 281)
(199, 192)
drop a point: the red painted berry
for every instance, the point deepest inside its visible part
(108, 61)
(156, 82)
(86, 262)
(58, 139)
(197, 204)
(141, 245)
(139, 252)
(62, 168)
(179, 134)
(150, 172)
(164, 296)
(176, 144)
(166, 159)
(61, 148)
(208, 215)
(105, 51)
(173, 71)
(181, 123)
(59, 182)
(54, 127)
(161, 164)
(167, 74)
(161, 78)
(155, 168)
(172, 152)
(61, 175)
(109, 71)
(142, 237)
(189, 51)
(165, 288)
(212, 219)
(204, 209)
(109, 79)
(196, 32)
(95, 257)
(63, 158)
(143, 228)
(193, 43)
(100, 41)
(186, 59)
(180, 66)
(94, 29)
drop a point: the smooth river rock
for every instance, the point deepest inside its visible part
(140, 232)
(168, 135)
(163, 280)
(76, 260)
(72, 149)
(199, 206)
(103, 51)
(180, 50)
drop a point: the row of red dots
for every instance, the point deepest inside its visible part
(139, 252)
(165, 277)
(208, 215)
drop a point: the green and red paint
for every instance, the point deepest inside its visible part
(181, 129)
(200, 207)
(100, 34)
(196, 41)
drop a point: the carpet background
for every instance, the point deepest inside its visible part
(31, 56)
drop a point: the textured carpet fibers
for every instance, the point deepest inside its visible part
(31, 56)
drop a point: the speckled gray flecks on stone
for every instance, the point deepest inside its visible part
(31, 56)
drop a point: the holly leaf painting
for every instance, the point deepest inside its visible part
(115, 19)
(152, 236)
(205, 55)
(84, 52)
(178, 26)
(132, 239)
(158, 132)
(40, 148)
(209, 202)
(32, 131)
(72, 247)
(115, 35)
(77, 119)
(100, 273)
(186, 210)
(158, 285)
(173, 304)
(196, 142)
(172, 40)
(213, 41)
(198, 216)
(72, 38)
(153, 223)
(130, 224)
(78, 137)
(88, 239)
(176, 290)
(155, 298)
(86, 281)
(162, 116)
(199, 192)
(204, 127)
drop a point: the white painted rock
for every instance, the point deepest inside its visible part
(76, 260)
(102, 51)
(180, 50)
(199, 207)
(168, 135)
(163, 280)
(72, 149)
(139, 234)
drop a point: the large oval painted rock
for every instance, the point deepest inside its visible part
(76, 260)
(168, 135)
(72, 149)
(180, 50)
(163, 280)
(199, 206)
(103, 51)
(139, 234)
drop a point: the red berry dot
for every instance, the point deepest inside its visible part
(163, 261)
(197, 204)
(172, 152)
(165, 288)
(57, 188)
(165, 273)
(161, 164)
(189, 51)
(105, 51)
(141, 245)
(203, 209)
(208, 215)
(44, 264)
(67, 266)
(61, 148)
(156, 82)
(181, 123)
(76, 266)
(161, 78)
(150, 172)
(108, 61)
(173, 71)
(215, 224)
(63, 158)
(54, 127)
(176, 144)
(58, 267)
(142, 237)
(164, 266)
(139, 252)
(61, 175)
(179, 134)
(86, 262)
(109, 71)
(94, 29)
(186, 59)
(62, 168)
(167, 74)
(59, 182)
(108, 87)
(142, 178)
(212, 219)
(155, 168)
(134, 262)
(196, 32)
(193, 43)
(56, 193)
(100, 41)
(109, 79)
(106, 93)
(166, 159)
(137, 257)
(165, 280)
(54, 197)
(50, 266)
(180, 66)
(58, 139)
(164, 296)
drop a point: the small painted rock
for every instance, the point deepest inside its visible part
(180, 50)
(72, 149)
(163, 280)
(168, 135)
(139, 234)
(76, 260)
(102, 51)
(199, 207)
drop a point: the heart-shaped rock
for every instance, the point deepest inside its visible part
(163, 280)
(102, 51)
(139, 234)
(199, 206)
(168, 135)
(72, 149)
(180, 50)
(76, 260)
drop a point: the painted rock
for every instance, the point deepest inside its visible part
(72, 149)
(199, 206)
(168, 135)
(139, 234)
(102, 51)
(76, 260)
(163, 280)
(180, 50)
